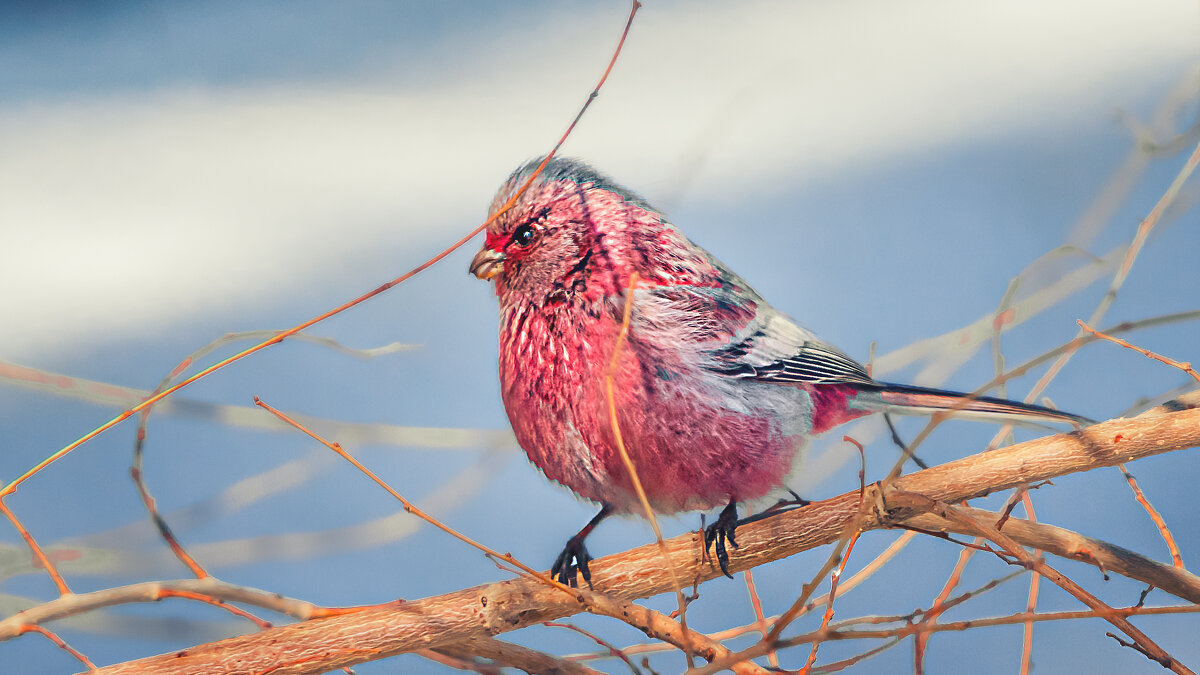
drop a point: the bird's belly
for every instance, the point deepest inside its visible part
(694, 450)
(691, 445)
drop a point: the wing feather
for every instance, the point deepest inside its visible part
(739, 335)
(810, 361)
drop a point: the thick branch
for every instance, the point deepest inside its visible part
(324, 644)
(515, 656)
(1141, 641)
(1074, 546)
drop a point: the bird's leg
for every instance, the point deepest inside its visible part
(720, 531)
(575, 555)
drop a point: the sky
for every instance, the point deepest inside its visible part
(171, 173)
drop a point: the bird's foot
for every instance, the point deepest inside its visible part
(721, 531)
(574, 557)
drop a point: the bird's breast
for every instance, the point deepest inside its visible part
(552, 366)
(698, 439)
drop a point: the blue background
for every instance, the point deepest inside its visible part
(176, 172)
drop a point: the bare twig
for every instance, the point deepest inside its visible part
(1182, 365)
(317, 646)
(249, 417)
(38, 554)
(838, 666)
(614, 422)
(1074, 546)
(759, 618)
(51, 636)
(409, 507)
(282, 335)
(1012, 619)
(1163, 530)
(216, 602)
(1010, 546)
(828, 615)
(153, 591)
(661, 627)
(939, 606)
(1035, 582)
(1131, 255)
(613, 650)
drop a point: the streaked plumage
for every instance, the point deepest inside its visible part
(717, 392)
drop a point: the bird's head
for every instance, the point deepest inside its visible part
(569, 233)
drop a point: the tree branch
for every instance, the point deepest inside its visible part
(1141, 641)
(1074, 546)
(324, 644)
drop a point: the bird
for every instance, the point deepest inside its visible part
(716, 392)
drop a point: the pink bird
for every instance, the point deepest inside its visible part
(716, 391)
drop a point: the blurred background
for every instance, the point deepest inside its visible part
(174, 172)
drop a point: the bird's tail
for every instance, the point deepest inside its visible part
(909, 400)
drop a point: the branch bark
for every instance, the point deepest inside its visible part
(1074, 546)
(1141, 641)
(324, 644)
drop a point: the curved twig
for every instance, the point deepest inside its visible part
(318, 646)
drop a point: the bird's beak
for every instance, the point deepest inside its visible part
(488, 263)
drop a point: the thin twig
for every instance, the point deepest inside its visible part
(828, 615)
(838, 666)
(1176, 556)
(939, 606)
(53, 637)
(1035, 582)
(1074, 546)
(622, 338)
(282, 335)
(1131, 254)
(759, 619)
(216, 602)
(38, 553)
(662, 627)
(409, 506)
(151, 504)
(519, 602)
(1012, 619)
(1010, 546)
(612, 649)
(1182, 365)
(153, 591)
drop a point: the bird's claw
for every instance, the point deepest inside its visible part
(721, 531)
(574, 557)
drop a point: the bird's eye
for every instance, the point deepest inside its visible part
(524, 235)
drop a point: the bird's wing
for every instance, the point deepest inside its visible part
(737, 334)
(777, 350)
